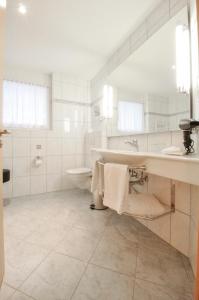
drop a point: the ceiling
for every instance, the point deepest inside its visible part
(72, 36)
(149, 69)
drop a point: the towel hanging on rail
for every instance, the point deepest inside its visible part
(116, 186)
(144, 205)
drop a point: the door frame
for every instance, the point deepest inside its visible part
(2, 38)
(197, 267)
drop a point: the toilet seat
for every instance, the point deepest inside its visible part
(80, 171)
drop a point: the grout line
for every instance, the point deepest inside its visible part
(35, 269)
(89, 261)
(19, 291)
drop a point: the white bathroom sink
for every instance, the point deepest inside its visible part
(181, 168)
(122, 157)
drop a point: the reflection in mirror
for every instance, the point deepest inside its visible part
(145, 92)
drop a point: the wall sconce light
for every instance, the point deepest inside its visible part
(3, 3)
(107, 102)
(182, 59)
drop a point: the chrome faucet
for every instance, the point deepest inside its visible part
(133, 143)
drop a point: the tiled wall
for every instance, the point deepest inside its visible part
(180, 229)
(62, 147)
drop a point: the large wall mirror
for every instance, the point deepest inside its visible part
(146, 98)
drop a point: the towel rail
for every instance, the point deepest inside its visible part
(138, 176)
(130, 168)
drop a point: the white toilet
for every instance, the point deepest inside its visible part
(81, 177)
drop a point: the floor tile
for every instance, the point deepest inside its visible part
(116, 253)
(21, 261)
(94, 221)
(162, 269)
(78, 243)
(48, 238)
(101, 284)
(118, 249)
(148, 291)
(56, 278)
(20, 296)
(127, 227)
(6, 292)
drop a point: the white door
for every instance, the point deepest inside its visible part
(2, 27)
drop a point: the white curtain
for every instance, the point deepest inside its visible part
(25, 105)
(130, 116)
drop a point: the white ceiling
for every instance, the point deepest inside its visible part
(149, 69)
(72, 36)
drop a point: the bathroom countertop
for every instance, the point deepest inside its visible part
(183, 168)
(186, 158)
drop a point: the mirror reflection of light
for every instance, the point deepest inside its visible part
(182, 59)
(67, 125)
(76, 118)
(3, 3)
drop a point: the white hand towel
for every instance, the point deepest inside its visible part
(116, 186)
(173, 150)
(144, 205)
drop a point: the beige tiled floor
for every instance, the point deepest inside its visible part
(58, 249)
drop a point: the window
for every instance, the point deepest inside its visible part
(25, 105)
(130, 116)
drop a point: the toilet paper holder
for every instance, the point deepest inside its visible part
(38, 161)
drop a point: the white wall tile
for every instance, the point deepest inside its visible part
(54, 146)
(80, 161)
(54, 164)
(68, 162)
(69, 146)
(158, 141)
(7, 147)
(180, 229)
(195, 204)
(38, 184)
(21, 186)
(54, 182)
(57, 130)
(25, 133)
(58, 111)
(7, 190)
(182, 197)
(21, 166)
(36, 143)
(21, 147)
(38, 133)
(193, 248)
(177, 139)
(8, 164)
(61, 139)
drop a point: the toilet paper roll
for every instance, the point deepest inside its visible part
(38, 161)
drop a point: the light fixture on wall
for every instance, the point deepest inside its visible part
(3, 3)
(107, 102)
(182, 59)
(22, 9)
